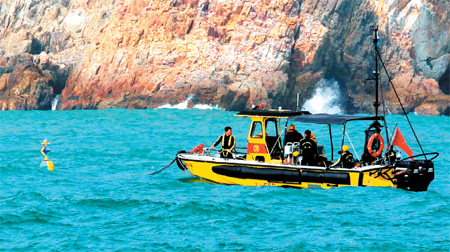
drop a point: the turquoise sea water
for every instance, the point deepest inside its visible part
(99, 197)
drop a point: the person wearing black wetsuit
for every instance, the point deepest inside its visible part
(309, 149)
(346, 158)
(228, 143)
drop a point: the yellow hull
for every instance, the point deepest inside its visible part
(229, 171)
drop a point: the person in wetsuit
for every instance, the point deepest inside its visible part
(309, 149)
(391, 155)
(228, 143)
(346, 158)
(292, 136)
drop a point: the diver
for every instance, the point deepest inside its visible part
(45, 150)
(391, 154)
(346, 158)
(228, 143)
(309, 149)
(292, 136)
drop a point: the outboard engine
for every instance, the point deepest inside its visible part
(414, 175)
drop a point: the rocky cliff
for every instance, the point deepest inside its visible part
(145, 53)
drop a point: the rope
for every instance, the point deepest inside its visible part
(401, 105)
(167, 166)
(357, 155)
(278, 139)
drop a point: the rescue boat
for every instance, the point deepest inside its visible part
(266, 161)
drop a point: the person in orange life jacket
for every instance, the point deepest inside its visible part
(313, 137)
(228, 143)
(309, 149)
(292, 136)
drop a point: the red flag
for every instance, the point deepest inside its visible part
(400, 142)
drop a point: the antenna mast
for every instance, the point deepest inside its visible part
(376, 73)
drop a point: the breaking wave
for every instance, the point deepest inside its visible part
(184, 105)
(325, 99)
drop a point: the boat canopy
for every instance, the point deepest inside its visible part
(332, 119)
(272, 113)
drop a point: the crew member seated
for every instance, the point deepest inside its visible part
(322, 160)
(292, 136)
(346, 158)
(309, 149)
(391, 154)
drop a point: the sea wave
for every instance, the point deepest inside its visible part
(184, 105)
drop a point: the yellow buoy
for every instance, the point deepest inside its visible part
(50, 166)
(44, 152)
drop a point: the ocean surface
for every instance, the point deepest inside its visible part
(100, 197)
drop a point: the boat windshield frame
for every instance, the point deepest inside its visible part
(332, 119)
(272, 113)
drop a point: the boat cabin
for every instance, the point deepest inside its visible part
(264, 137)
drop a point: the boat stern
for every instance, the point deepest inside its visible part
(414, 175)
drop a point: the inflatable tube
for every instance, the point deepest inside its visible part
(179, 162)
(282, 175)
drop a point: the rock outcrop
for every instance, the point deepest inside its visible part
(145, 53)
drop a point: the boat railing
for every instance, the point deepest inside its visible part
(236, 154)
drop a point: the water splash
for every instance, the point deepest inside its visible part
(184, 105)
(206, 107)
(55, 102)
(325, 99)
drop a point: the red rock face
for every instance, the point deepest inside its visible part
(145, 53)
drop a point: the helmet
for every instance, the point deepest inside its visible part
(345, 148)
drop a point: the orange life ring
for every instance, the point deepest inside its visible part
(370, 142)
(198, 149)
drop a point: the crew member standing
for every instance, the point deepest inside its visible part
(228, 143)
(292, 136)
(309, 149)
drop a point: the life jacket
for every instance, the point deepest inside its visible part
(229, 146)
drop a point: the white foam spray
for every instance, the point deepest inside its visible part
(184, 105)
(325, 99)
(55, 102)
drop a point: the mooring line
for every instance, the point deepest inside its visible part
(167, 166)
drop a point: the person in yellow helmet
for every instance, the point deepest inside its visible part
(346, 158)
